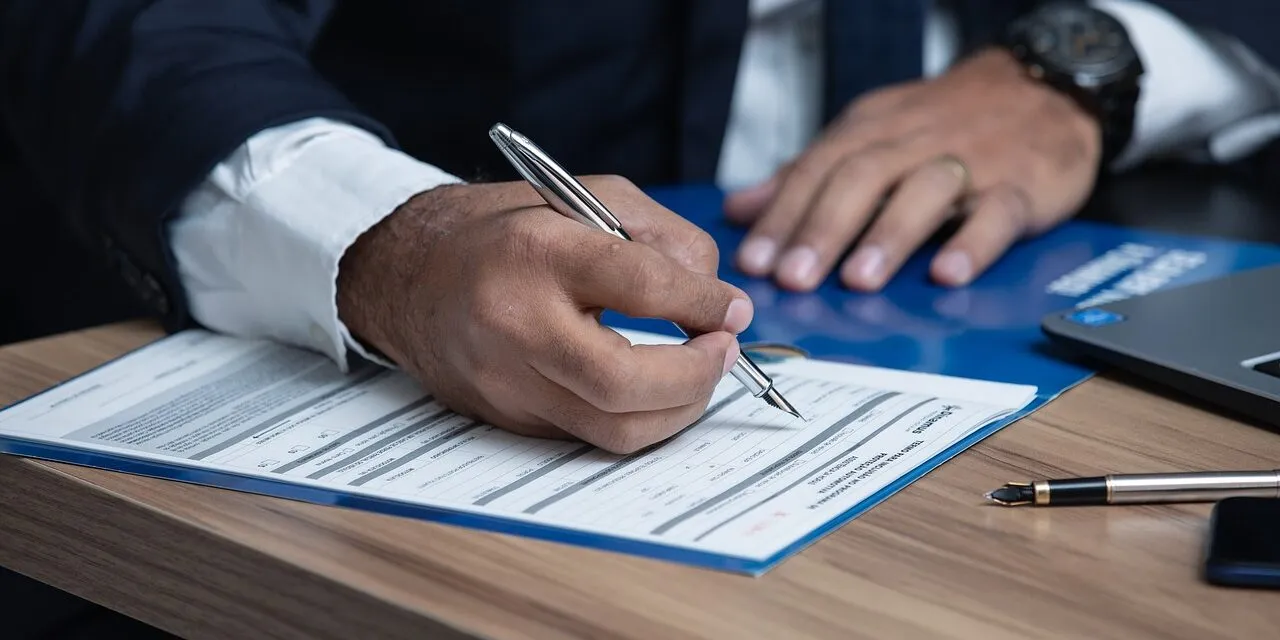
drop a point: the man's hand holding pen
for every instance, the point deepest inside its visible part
(492, 300)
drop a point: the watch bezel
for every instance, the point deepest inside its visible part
(1083, 74)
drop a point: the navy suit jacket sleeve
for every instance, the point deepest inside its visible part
(120, 108)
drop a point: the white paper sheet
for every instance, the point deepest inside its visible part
(746, 481)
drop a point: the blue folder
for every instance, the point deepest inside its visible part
(988, 330)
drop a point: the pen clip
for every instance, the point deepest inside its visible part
(560, 189)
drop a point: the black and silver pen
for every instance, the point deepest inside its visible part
(1140, 488)
(567, 195)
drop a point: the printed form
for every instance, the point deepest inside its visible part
(745, 481)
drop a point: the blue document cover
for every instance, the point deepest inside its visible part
(988, 331)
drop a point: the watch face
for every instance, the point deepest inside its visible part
(1076, 39)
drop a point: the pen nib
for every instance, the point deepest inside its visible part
(776, 400)
(1011, 494)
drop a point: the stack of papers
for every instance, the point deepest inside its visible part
(741, 489)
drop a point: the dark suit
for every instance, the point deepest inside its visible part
(114, 110)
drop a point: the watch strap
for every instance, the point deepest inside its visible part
(1113, 104)
(1117, 118)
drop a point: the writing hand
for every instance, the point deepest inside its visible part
(1027, 155)
(492, 301)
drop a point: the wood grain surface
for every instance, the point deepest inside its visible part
(931, 562)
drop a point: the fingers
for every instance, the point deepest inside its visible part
(497, 408)
(622, 433)
(652, 224)
(759, 251)
(747, 205)
(624, 410)
(822, 206)
(549, 410)
(1001, 215)
(614, 376)
(847, 200)
(919, 205)
(635, 280)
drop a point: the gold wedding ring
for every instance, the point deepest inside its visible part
(958, 167)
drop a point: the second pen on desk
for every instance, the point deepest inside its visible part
(566, 195)
(1139, 488)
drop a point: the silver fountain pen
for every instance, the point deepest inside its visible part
(567, 195)
(1140, 488)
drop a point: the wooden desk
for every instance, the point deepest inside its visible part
(930, 562)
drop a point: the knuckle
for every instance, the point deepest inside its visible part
(624, 435)
(528, 239)
(572, 418)
(601, 251)
(493, 314)
(811, 167)
(889, 232)
(857, 168)
(635, 432)
(940, 177)
(1012, 202)
(704, 387)
(823, 227)
(649, 281)
(709, 387)
(703, 250)
(570, 357)
(611, 384)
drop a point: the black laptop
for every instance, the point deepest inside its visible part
(1216, 340)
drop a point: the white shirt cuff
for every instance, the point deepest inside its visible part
(1192, 89)
(258, 244)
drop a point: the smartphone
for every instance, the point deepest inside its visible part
(1244, 543)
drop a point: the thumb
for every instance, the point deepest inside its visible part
(719, 347)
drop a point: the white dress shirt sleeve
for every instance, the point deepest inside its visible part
(1204, 96)
(259, 242)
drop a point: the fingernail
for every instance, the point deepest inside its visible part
(739, 316)
(756, 254)
(730, 357)
(955, 266)
(866, 267)
(800, 266)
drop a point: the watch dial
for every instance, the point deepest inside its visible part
(1078, 37)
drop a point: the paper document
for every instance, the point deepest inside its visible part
(746, 482)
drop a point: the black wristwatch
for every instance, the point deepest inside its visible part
(1087, 54)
